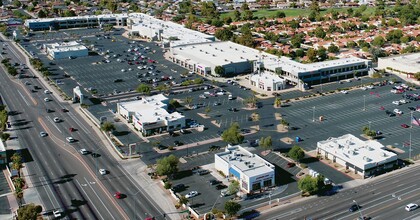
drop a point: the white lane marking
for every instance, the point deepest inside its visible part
(14, 53)
(79, 123)
(288, 213)
(93, 204)
(57, 205)
(23, 97)
(99, 198)
(53, 123)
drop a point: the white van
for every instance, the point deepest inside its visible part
(230, 97)
(411, 207)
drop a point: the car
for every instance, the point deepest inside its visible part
(403, 101)
(344, 91)
(396, 102)
(216, 103)
(102, 171)
(411, 207)
(56, 119)
(122, 70)
(43, 134)
(290, 164)
(405, 126)
(191, 194)
(178, 188)
(202, 172)
(27, 83)
(363, 88)
(70, 139)
(84, 151)
(221, 186)
(214, 182)
(369, 87)
(118, 195)
(177, 143)
(354, 208)
(49, 110)
(411, 108)
(47, 91)
(232, 110)
(47, 99)
(64, 110)
(397, 111)
(57, 213)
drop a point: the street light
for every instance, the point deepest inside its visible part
(358, 208)
(313, 114)
(364, 102)
(369, 125)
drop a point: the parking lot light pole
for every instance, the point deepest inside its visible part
(358, 208)
(369, 125)
(313, 114)
(411, 128)
(364, 102)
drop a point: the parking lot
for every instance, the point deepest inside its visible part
(349, 113)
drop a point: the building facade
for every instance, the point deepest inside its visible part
(251, 171)
(150, 116)
(67, 50)
(408, 64)
(366, 158)
(267, 81)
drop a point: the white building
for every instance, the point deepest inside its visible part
(149, 115)
(406, 64)
(362, 157)
(267, 81)
(252, 172)
(67, 50)
(168, 32)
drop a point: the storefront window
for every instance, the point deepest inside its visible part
(256, 186)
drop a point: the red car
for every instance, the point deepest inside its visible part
(405, 126)
(118, 195)
(290, 164)
(72, 129)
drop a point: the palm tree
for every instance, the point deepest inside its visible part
(188, 100)
(207, 110)
(277, 102)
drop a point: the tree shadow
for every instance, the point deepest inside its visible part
(197, 205)
(77, 202)
(121, 133)
(282, 177)
(182, 174)
(308, 160)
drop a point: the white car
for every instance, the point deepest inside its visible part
(83, 151)
(57, 213)
(397, 111)
(403, 101)
(191, 194)
(43, 134)
(47, 91)
(70, 139)
(363, 88)
(56, 120)
(393, 91)
(369, 87)
(102, 171)
(344, 91)
(122, 70)
(47, 99)
(411, 207)
(396, 102)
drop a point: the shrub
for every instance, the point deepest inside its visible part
(5, 136)
(167, 185)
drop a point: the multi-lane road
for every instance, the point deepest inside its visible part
(64, 178)
(381, 198)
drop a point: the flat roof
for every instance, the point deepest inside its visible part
(363, 154)
(35, 20)
(65, 46)
(248, 163)
(404, 62)
(151, 109)
(267, 77)
(225, 52)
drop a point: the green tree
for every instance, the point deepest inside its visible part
(296, 40)
(233, 187)
(315, 6)
(144, 89)
(188, 100)
(244, 7)
(333, 48)
(322, 53)
(42, 13)
(220, 71)
(417, 75)
(266, 143)
(107, 127)
(224, 34)
(207, 110)
(277, 102)
(16, 162)
(29, 211)
(284, 122)
(394, 36)
(232, 207)
(378, 41)
(311, 185)
(4, 136)
(320, 33)
(251, 101)
(236, 15)
(248, 15)
(167, 165)
(17, 3)
(280, 14)
(69, 13)
(296, 153)
(232, 135)
(311, 54)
